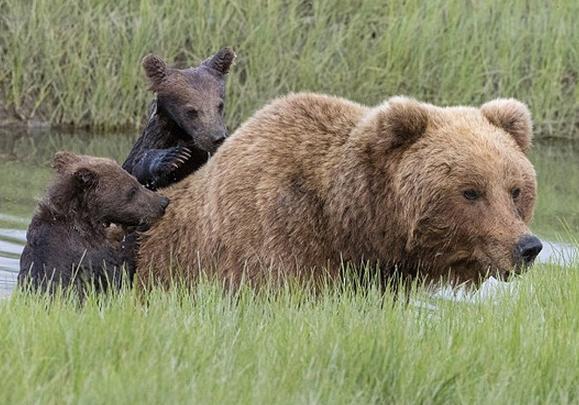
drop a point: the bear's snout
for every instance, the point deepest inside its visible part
(218, 138)
(527, 249)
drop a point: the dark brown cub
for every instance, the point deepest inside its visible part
(186, 123)
(77, 235)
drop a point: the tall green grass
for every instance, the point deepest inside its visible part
(78, 62)
(340, 347)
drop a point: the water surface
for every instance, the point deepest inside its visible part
(25, 172)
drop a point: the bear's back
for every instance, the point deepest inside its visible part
(300, 125)
(294, 134)
(274, 162)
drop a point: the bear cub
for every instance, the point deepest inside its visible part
(77, 235)
(186, 123)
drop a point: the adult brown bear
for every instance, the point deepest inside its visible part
(312, 182)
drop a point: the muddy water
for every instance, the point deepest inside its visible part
(24, 173)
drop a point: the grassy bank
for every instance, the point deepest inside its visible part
(78, 63)
(349, 347)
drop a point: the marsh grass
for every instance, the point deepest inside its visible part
(78, 63)
(342, 346)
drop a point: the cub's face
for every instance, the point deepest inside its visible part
(110, 194)
(468, 191)
(194, 98)
(120, 199)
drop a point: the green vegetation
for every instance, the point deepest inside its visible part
(291, 347)
(78, 63)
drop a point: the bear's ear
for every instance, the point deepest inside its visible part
(85, 177)
(404, 120)
(63, 161)
(513, 117)
(221, 61)
(155, 69)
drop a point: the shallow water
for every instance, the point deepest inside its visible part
(25, 171)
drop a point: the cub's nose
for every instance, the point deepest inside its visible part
(218, 140)
(164, 202)
(527, 249)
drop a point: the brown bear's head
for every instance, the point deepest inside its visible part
(463, 185)
(104, 192)
(194, 98)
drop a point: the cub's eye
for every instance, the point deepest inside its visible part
(192, 113)
(471, 194)
(515, 193)
(132, 193)
(220, 108)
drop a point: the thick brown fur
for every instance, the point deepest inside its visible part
(313, 182)
(78, 233)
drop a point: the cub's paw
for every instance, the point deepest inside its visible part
(163, 165)
(172, 159)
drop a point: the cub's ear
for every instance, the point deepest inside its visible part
(155, 69)
(403, 120)
(221, 61)
(513, 117)
(63, 161)
(85, 177)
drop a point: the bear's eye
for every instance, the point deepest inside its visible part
(515, 193)
(471, 194)
(220, 108)
(192, 113)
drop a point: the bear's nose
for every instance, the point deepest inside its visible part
(527, 249)
(218, 140)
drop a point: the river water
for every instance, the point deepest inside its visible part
(25, 172)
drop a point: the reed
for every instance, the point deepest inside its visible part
(77, 63)
(339, 347)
